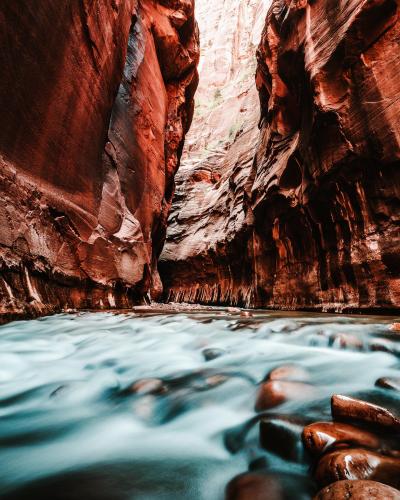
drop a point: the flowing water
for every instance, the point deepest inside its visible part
(72, 426)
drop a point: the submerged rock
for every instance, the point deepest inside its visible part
(148, 386)
(289, 372)
(275, 392)
(254, 486)
(216, 380)
(282, 438)
(346, 341)
(392, 383)
(212, 353)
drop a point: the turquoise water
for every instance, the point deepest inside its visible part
(71, 427)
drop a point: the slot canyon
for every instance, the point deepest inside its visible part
(200, 249)
(288, 192)
(302, 213)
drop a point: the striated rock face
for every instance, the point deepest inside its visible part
(206, 242)
(317, 224)
(96, 98)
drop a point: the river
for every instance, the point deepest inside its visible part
(150, 405)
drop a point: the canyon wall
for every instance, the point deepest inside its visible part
(96, 97)
(209, 220)
(313, 217)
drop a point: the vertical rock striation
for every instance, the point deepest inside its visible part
(210, 221)
(96, 98)
(321, 198)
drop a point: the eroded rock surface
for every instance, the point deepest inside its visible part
(308, 216)
(96, 98)
(202, 260)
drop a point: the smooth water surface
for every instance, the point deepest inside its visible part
(71, 427)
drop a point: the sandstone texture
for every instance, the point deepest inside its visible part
(358, 490)
(96, 98)
(303, 213)
(203, 257)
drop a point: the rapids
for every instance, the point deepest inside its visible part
(73, 427)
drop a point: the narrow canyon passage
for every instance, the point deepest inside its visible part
(189, 192)
(287, 194)
(209, 210)
(293, 203)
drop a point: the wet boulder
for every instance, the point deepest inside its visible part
(264, 485)
(289, 372)
(320, 436)
(351, 409)
(212, 353)
(346, 341)
(392, 383)
(283, 438)
(275, 392)
(383, 345)
(254, 486)
(146, 386)
(358, 490)
(357, 463)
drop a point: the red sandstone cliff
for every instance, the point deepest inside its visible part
(209, 212)
(96, 98)
(318, 224)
